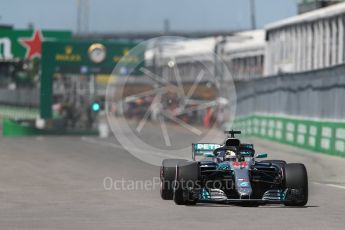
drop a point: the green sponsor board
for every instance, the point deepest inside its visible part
(27, 44)
(88, 57)
(85, 57)
(13, 128)
(15, 112)
(317, 135)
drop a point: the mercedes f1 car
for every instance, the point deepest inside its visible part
(231, 173)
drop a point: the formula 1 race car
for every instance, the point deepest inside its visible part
(230, 173)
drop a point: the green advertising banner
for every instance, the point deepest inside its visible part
(27, 44)
(324, 136)
(84, 57)
(91, 57)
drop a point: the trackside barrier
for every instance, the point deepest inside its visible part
(14, 112)
(316, 135)
(17, 128)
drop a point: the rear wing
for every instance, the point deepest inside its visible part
(203, 149)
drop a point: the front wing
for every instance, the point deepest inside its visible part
(269, 197)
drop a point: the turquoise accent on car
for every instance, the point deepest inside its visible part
(223, 166)
(261, 155)
(208, 154)
(204, 194)
(244, 184)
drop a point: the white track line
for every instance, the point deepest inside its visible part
(331, 185)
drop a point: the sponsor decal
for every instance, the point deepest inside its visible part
(207, 146)
(244, 184)
(239, 164)
(68, 56)
(27, 44)
(33, 45)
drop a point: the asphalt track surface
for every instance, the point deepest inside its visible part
(58, 183)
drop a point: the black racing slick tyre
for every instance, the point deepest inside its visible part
(296, 181)
(186, 179)
(167, 177)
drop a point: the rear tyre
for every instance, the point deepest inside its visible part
(186, 179)
(167, 176)
(296, 180)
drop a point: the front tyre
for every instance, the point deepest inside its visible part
(296, 181)
(167, 176)
(186, 180)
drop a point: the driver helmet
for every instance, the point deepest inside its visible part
(230, 155)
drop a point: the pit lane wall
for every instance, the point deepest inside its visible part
(305, 110)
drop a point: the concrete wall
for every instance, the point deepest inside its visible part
(305, 110)
(315, 94)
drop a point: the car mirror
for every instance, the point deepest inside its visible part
(261, 155)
